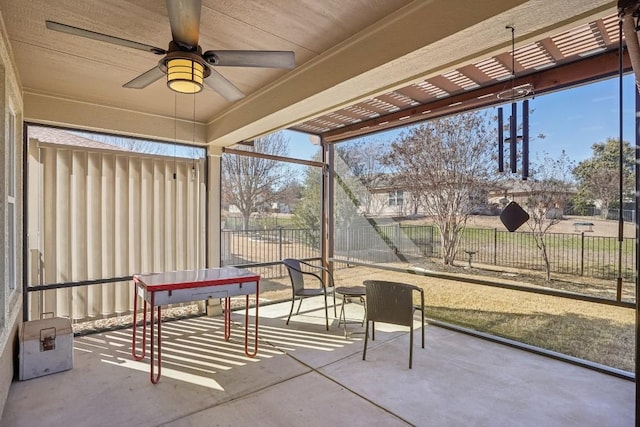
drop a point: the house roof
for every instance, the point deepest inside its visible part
(52, 135)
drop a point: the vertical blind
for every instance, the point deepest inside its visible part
(108, 213)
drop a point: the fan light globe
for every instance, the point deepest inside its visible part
(184, 75)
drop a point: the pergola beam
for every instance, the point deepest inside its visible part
(543, 81)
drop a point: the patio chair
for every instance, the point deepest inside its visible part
(306, 281)
(391, 302)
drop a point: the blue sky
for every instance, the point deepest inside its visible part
(571, 120)
(577, 118)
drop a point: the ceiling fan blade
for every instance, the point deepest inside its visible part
(184, 17)
(224, 87)
(103, 37)
(250, 58)
(145, 79)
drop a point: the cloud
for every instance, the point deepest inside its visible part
(591, 128)
(603, 98)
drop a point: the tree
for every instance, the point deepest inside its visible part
(132, 144)
(290, 193)
(549, 188)
(308, 210)
(251, 183)
(598, 176)
(448, 163)
(360, 163)
(356, 168)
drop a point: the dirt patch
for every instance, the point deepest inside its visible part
(605, 228)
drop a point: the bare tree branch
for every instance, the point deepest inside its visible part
(251, 184)
(448, 164)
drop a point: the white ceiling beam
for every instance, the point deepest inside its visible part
(305, 91)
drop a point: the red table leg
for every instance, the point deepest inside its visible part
(144, 326)
(227, 319)
(155, 378)
(246, 324)
(227, 324)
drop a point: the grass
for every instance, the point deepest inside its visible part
(595, 332)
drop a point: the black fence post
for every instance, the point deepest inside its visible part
(582, 253)
(348, 243)
(280, 243)
(431, 240)
(495, 246)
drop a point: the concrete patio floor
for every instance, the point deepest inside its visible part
(306, 376)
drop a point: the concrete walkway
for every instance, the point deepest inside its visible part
(306, 376)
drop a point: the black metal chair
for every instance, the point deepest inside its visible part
(391, 302)
(301, 289)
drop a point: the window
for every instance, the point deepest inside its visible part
(396, 198)
(11, 201)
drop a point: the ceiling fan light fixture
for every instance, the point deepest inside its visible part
(184, 75)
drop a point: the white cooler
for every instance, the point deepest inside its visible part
(46, 347)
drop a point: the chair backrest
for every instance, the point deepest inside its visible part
(295, 273)
(389, 302)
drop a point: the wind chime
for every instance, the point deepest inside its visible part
(514, 94)
(513, 215)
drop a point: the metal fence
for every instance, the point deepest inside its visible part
(568, 253)
(576, 254)
(265, 246)
(612, 214)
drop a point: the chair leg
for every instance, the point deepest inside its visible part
(293, 301)
(410, 346)
(341, 312)
(422, 327)
(343, 316)
(299, 305)
(326, 310)
(334, 302)
(366, 335)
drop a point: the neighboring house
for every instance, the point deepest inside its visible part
(265, 207)
(387, 197)
(522, 191)
(61, 137)
(282, 207)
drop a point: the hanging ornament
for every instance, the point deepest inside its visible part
(513, 94)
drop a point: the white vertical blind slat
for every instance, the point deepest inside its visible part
(114, 214)
(79, 233)
(108, 231)
(121, 234)
(62, 207)
(94, 234)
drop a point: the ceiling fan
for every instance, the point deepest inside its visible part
(184, 64)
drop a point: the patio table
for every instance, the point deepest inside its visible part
(158, 289)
